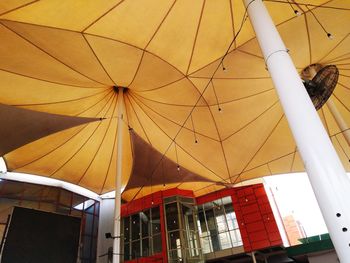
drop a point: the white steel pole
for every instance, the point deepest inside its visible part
(116, 230)
(339, 119)
(326, 173)
(253, 256)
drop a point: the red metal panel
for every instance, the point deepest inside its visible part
(157, 258)
(255, 227)
(177, 191)
(248, 209)
(141, 204)
(213, 196)
(151, 200)
(255, 218)
(256, 245)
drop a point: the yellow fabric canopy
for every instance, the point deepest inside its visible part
(65, 57)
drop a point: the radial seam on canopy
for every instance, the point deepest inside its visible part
(138, 119)
(94, 104)
(62, 101)
(60, 145)
(208, 105)
(195, 37)
(137, 69)
(97, 58)
(160, 24)
(232, 24)
(160, 87)
(188, 129)
(177, 145)
(101, 16)
(53, 82)
(261, 146)
(341, 147)
(293, 159)
(201, 94)
(253, 120)
(346, 107)
(220, 139)
(325, 121)
(110, 159)
(309, 4)
(86, 141)
(251, 39)
(52, 56)
(250, 54)
(100, 145)
(18, 7)
(330, 51)
(342, 85)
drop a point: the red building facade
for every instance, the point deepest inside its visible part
(173, 225)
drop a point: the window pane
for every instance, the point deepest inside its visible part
(88, 223)
(174, 240)
(201, 223)
(208, 205)
(188, 200)
(145, 247)
(86, 246)
(221, 223)
(187, 213)
(236, 238)
(135, 249)
(135, 226)
(126, 251)
(145, 222)
(225, 241)
(228, 208)
(157, 244)
(172, 216)
(210, 220)
(126, 228)
(175, 255)
(227, 200)
(206, 245)
(232, 220)
(95, 229)
(65, 198)
(155, 220)
(215, 242)
(193, 244)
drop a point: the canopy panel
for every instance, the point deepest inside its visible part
(65, 57)
(21, 126)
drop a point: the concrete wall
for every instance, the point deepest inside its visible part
(327, 257)
(105, 226)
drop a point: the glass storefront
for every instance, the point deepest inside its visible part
(191, 230)
(182, 230)
(218, 227)
(142, 234)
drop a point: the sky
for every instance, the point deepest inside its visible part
(293, 195)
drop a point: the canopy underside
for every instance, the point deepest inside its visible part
(65, 57)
